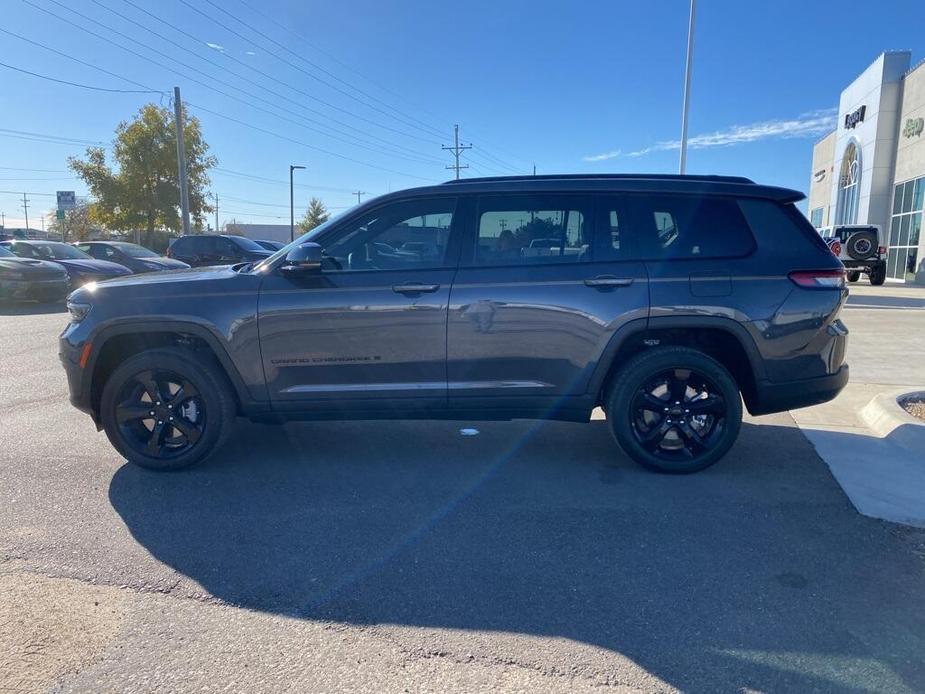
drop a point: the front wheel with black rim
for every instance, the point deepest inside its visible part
(854, 275)
(167, 408)
(674, 409)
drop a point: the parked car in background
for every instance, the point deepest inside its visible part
(860, 248)
(199, 250)
(22, 279)
(271, 246)
(666, 300)
(81, 268)
(136, 258)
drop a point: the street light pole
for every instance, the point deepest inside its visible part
(682, 162)
(292, 167)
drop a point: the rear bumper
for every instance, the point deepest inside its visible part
(863, 264)
(791, 395)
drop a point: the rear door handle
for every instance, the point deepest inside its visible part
(604, 281)
(415, 288)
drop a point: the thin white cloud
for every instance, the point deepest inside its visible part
(216, 47)
(249, 53)
(809, 124)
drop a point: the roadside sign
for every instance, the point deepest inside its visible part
(60, 214)
(67, 200)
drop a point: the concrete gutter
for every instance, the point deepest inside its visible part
(888, 419)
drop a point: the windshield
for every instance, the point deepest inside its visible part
(59, 251)
(247, 244)
(6, 253)
(135, 251)
(307, 236)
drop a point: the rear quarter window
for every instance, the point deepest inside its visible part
(675, 227)
(776, 223)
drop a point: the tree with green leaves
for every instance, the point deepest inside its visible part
(144, 191)
(316, 214)
(76, 225)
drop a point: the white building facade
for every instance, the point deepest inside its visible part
(871, 168)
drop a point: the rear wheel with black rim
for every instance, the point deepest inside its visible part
(166, 409)
(674, 409)
(878, 274)
(854, 275)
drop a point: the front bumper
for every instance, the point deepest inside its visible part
(78, 379)
(790, 395)
(34, 290)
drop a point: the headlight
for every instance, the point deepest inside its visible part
(78, 311)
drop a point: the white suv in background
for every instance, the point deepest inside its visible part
(860, 248)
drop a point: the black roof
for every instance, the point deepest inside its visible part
(642, 183)
(737, 186)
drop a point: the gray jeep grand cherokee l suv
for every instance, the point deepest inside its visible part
(666, 300)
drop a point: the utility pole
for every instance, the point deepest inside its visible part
(456, 149)
(181, 160)
(358, 193)
(25, 208)
(218, 229)
(2, 220)
(682, 161)
(534, 169)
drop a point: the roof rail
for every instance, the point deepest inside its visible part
(590, 176)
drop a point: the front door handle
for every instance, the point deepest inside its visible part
(415, 288)
(604, 281)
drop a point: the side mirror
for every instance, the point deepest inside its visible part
(303, 258)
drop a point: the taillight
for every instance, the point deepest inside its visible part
(818, 279)
(881, 250)
(835, 247)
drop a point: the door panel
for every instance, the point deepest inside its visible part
(368, 331)
(532, 331)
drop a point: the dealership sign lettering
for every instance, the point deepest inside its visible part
(913, 127)
(854, 118)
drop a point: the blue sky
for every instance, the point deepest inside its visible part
(364, 93)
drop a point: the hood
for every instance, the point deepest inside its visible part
(165, 263)
(185, 277)
(93, 266)
(28, 266)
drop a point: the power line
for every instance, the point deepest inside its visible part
(76, 60)
(363, 145)
(262, 73)
(16, 168)
(359, 193)
(288, 62)
(82, 86)
(62, 140)
(305, 144)
(264, 179)
(456, 149)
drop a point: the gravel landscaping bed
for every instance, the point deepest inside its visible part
(915, 406)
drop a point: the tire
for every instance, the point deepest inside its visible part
(631, 405)
(877, 275)
(854, 275)
(202, 408)
(862, 245)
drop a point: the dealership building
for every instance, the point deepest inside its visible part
(871, 168)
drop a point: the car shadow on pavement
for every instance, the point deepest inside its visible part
(753, 575)
(31, 309)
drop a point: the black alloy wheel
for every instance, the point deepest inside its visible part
(678, 415)
(167, 408)
(160, 413)
(674, 409)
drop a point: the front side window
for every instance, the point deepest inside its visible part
(678, 226)
(408, 235)
(532, 230)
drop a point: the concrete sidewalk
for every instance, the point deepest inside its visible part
(881, 471)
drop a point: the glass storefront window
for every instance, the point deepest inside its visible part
(905, 229)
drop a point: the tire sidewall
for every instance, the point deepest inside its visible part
(634, 375)
(200, 374)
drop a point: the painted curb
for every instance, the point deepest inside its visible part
(889, 420)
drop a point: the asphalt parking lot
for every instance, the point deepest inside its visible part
(383, 556)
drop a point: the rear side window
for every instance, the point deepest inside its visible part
(776, 222)
(674, 227)
(532, 230)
